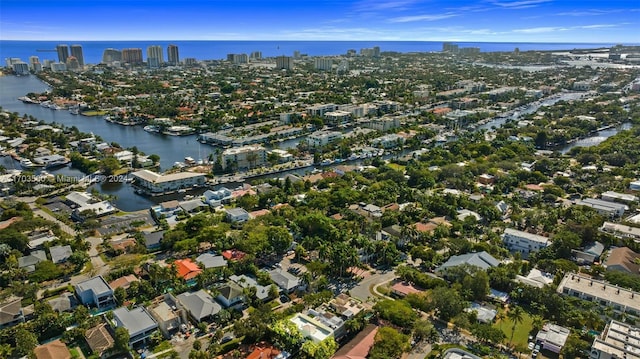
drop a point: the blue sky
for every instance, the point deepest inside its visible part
(429, 20)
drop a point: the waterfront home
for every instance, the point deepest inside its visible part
(218, 197)
(84, 204)
(155, 183)
(138, 322)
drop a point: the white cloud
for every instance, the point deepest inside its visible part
(539, 30)
(424, 17)
(523, 4)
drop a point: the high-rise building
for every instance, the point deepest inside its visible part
(172, 54)
(376, 51)
(323, 63)
(449, 47)
(63, 52)
(132, 56)
(76, 51)
(34, 64)
(238, 58)
(58, 67)
(256, 55)
(111, 55)
(21, 68)
(284, 63)
(155, 58)
(296, 54)
(190, 61)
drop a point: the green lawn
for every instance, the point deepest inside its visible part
(521, 336)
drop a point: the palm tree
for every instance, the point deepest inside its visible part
(516, 315)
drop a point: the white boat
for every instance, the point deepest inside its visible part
(27, 164)
(74, 110)
(151, 128)
(45, 104)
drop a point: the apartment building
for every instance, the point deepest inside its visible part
(159, 183)
(618, 340)
(524, 242)
(245, 157)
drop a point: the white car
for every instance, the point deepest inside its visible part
(530, 346)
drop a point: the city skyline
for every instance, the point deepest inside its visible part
(382, 20)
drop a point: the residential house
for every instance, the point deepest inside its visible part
(535, 278)
(99, 340)
(137, 321)
(264, 352)
(617, 340)
(346, 306)
(589, 254)
(237, 215)
(167, 315)
(402, 289)
(623, 259)
(233, 255)
(524, 242)
(38, 238)
(60, 254)
(231, 294)
(95, 292)
(29, 262)
(359, 346)
(52, 350)
(11, 312)
(311, 328)
(66, 302)
(209, 260)
(187, 269)
(199, 305)
(218, 197)
(286, 281)
(152, 240)
(553, 337)
(123, 282)
(618, 197)
(484, 313)
(482, 260)
(262, 292)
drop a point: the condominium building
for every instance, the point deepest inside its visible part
(159, 183)
(284, 63)
(618, 340)
(323, 63)
(63, 52)
(173, 55)
(34, 64)
(245, 157)
(76, 51)
(155, 57)
(621, 300)
(523, 242)
(21, 68)
(111, 55)
(132, 56)
(322, 138)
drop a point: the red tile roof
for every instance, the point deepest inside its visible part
(233, 254)
(358, 347)
(263, 353)
(187, 269)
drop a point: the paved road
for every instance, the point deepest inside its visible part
(63, 226)
(362, 291)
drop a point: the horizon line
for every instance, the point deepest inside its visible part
(319, 40)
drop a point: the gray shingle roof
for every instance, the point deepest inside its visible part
(60, 254)
(209, 260)
(199, 304)
(482, 260)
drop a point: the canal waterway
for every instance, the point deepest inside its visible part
(173, 149)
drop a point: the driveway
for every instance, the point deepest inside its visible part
(362, 291)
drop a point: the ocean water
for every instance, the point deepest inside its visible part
(216, 50)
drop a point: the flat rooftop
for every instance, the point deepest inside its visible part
(601, 289)
(159, 178)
